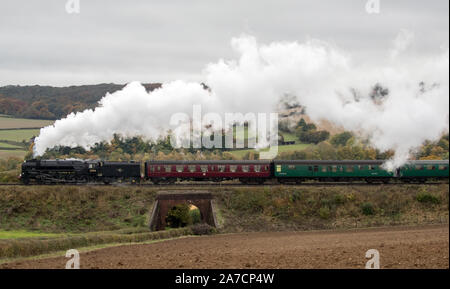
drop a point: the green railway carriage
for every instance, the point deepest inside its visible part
(422, 170)
(368, 170)
(298, 171)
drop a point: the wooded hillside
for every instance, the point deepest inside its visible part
(47, 102)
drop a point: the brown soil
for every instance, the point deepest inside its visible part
(399, 247)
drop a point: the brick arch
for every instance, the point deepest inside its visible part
(166, 201)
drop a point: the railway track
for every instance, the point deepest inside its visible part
(219, 185)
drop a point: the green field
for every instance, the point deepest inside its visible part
(10, 122)
(289, 136)
(18, 135)
(5, 154)
(286, 148)
(15, 130)
(9, 146)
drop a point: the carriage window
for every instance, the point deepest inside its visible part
(180, 168)
(324, 169)
(257, 168)
(309, 168)
(245, 169)
(221, 168)
(152, 169)
(334, 169)
(158, 168)
(419, 167)
(233, 169)
(442, 168)
(204, 168)
(430, 168)
(349, 169)
(191, 168)
(291, 167)
(372, 168)
(167, 168)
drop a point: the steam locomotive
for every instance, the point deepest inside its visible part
(75, 171)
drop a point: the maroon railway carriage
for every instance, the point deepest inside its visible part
(171, 171)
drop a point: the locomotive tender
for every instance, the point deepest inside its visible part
(248, 172)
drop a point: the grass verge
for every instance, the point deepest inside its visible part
(11, 248)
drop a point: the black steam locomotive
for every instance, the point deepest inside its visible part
(79, 171)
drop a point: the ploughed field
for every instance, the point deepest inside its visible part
(399, 247)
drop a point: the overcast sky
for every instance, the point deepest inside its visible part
(164, 40)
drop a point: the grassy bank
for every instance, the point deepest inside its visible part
(77, 209)
(74, 208)
(306, 208)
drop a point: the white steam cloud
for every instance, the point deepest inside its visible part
(324, 78)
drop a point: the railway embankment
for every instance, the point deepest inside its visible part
(81, 209)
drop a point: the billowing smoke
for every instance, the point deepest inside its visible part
(325, 79)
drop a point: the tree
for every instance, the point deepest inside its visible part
(308, 133)
(313, 136)
(301, 123)
(326, 151)
(379, 93)
(179, 216)
(341, 138)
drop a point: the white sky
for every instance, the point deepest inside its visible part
(164, 40)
